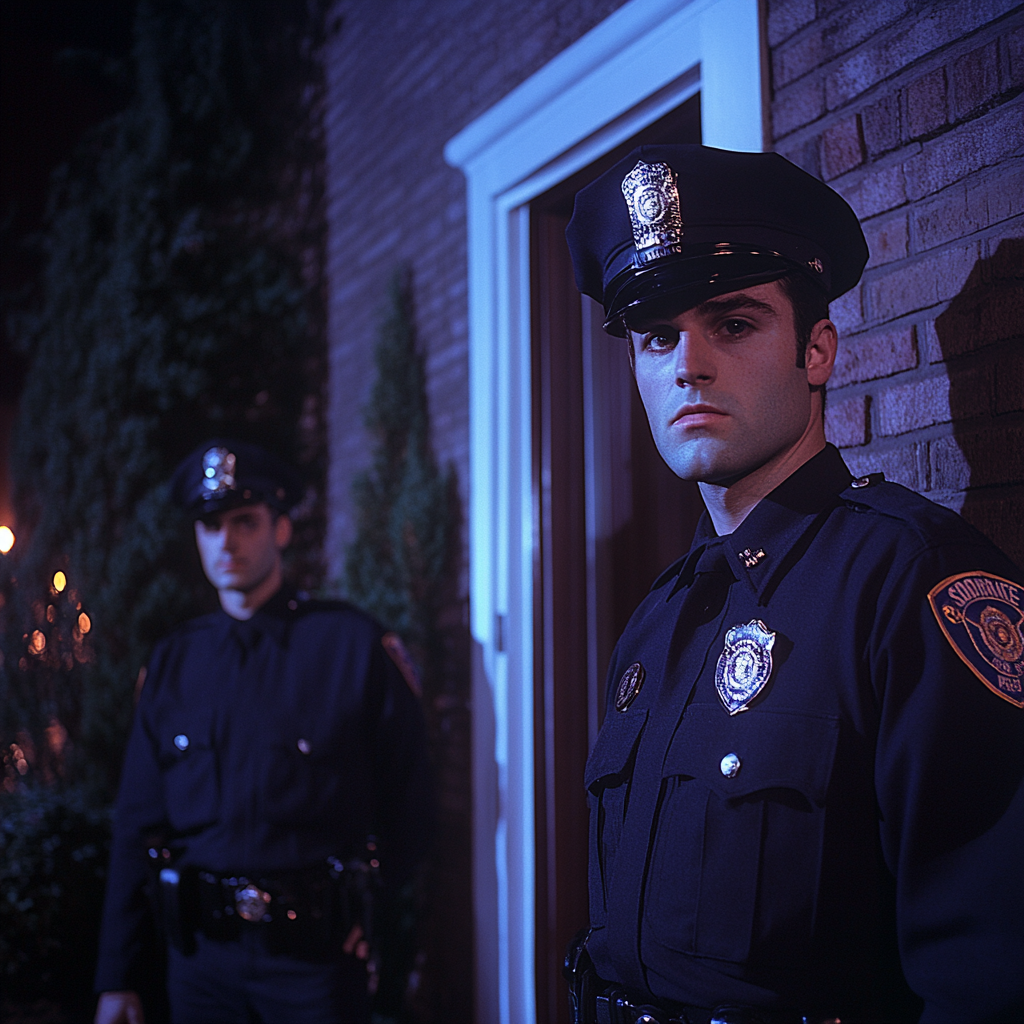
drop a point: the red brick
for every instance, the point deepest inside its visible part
(842, 148)
(975, 80)
(980, 317)
(881, 124)
(806, 155)
(855, 22)
(1006, 255)
(921, 284)
(785, 17)
(902, 465)
(979, 459)
(1012, 63)
(794, 61)
(846, 422)
(997, 196)
(1009, 377)
(962, 210)
(796, 106)
(928, 343)
(926, 103)
(872, 356)
(973, 145)
(887, 240)
(877, 191)
(846, 312)
(960, 395)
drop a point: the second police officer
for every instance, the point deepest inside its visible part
(806, 799)
(275, 774)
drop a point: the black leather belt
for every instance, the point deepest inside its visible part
(617, 1006)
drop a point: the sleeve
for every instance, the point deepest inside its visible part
(948, 775)
(404, 796)
(126, 924)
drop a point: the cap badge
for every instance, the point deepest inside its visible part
(629, 686)
(745, 666)
(218, 472)
(981, 618)
(652, 197)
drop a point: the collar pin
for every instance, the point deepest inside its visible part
(751, 558)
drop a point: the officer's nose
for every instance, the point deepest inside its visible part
(694, 360)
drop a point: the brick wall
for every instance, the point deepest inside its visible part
(913, 111)
(403, 77)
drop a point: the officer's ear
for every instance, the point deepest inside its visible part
(283, 531)
(820, 353)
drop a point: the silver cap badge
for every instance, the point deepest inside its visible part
(652, 197)
(745, 665)
(218, 472)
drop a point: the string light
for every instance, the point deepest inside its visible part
(84, 623)
(60, 581)
(6, 539)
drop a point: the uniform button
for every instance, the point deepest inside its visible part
(181, 741)
(730, 766)
(303, 746)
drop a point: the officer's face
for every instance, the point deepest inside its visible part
(721, 385)
(240, 548)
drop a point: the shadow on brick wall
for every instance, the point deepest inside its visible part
(979, 335)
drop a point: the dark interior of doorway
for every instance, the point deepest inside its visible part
(565, 702)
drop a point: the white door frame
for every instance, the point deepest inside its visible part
(637, 65)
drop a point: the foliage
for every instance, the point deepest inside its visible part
(399, 565)
(53, 854)
(173, 308)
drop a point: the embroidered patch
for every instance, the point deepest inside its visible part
(400, 656)
(629, 686)
(981, 617)
(745, 665)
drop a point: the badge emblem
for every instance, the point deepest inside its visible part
(652, 197)
(629, 686)
(218, 472)
(745, 665)
(980, 614)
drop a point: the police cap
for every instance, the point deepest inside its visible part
(223, 474)
(672, 226)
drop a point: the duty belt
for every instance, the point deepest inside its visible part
(592, 1000)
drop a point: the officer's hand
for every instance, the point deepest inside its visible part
(119, 1008)
(355, 943)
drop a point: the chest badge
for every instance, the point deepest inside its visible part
(745, 665)
(629, 686)
(981, 618)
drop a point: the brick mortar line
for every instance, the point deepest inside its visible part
(948, 51)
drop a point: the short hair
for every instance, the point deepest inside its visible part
(809, 303)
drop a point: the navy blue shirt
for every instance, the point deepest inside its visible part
(266, 746)
(850, 842)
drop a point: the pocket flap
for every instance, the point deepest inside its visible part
(615, 745)
(755, 750)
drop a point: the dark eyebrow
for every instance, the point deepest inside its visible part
(722, 307)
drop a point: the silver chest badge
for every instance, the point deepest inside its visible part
(745, 665)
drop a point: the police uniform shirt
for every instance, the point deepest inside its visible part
(266, 746)
(863, 812)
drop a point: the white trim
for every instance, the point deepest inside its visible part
(638, 64)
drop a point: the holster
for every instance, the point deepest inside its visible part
(173, 895)
(584, 983)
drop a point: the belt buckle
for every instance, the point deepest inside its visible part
(251, 902)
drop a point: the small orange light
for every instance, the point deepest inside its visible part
(292, 915)
(38, 642)
(6, 539)
(60, 581)
(84, 623)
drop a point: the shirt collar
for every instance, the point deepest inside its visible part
(768, 541)
(271, 619)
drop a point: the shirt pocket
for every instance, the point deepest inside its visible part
(608, 777)
(738, 846)
(312, 778)
(191, 777)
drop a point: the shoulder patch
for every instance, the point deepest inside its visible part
(400, 656)
(981, 617)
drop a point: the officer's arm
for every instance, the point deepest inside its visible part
(119, 1008)
(949, 770)
(402, 770)
(139, 806)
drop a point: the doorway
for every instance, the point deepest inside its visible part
(596, 476)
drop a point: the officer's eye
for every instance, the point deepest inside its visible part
(662, 338)
(735, 328)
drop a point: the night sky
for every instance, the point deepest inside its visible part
(47, 102)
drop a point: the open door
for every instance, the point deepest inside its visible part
(597, 479)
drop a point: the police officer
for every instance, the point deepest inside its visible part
(275, 775)
(806, 796)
